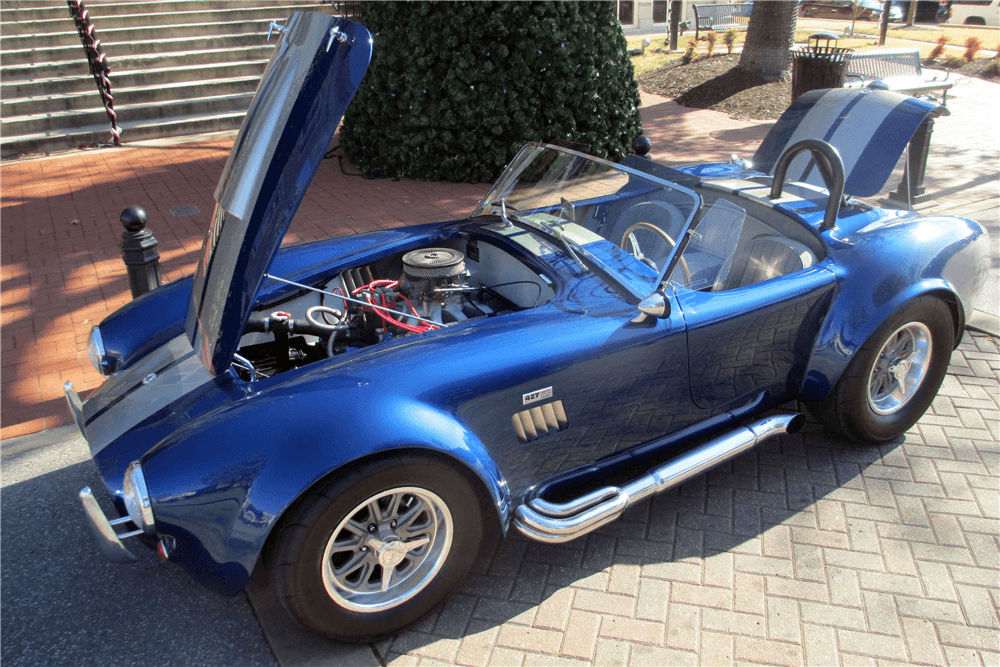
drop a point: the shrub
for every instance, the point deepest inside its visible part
(710, 38)
(455, 89)
(730, 39)
(939, 49)
(972, 46)
(689, 52)
(954, 62)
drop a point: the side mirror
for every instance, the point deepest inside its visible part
(653, 306)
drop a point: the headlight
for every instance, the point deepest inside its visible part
(95, 350)
(136, 498)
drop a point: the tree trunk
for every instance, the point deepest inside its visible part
(770, 37)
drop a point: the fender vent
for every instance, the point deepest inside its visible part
(539, 421)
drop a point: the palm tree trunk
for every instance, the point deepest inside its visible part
(770, 37)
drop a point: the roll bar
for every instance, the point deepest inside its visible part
(831, 168)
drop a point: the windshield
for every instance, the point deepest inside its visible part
(619, 218)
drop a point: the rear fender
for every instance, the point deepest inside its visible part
(882, 267)
(843, 334)
(220, 486)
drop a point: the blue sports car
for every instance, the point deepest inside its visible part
(355, 415)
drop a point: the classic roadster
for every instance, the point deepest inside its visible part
(354, 415)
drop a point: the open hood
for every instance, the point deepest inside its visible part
(314, 72)
(881, 125)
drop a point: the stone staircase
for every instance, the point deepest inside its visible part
(177, 67)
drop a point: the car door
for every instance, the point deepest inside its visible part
(752, 299)
(592, 384)
(753, 339)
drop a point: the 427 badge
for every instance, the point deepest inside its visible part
(537, 395)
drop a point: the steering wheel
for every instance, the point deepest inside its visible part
(628, 239)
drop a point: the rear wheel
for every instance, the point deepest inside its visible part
(373, 551)
(894, 376)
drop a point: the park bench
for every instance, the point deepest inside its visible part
(732, 16)
(898, 69)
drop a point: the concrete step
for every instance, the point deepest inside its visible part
(80, 82)
(103, 17)
(105, 8)
(86, 100)
(165, 68)
(220, 46)
(232, 12)
(30, 4)
(115, 35)
(63, 22)
(98, 134)
(50, 123)
(10, 14)
(176, 66)
(76, 78)
(49, 54)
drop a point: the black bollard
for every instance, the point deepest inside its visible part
(139, 252)
(641, 146)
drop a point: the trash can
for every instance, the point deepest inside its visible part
(819, 66)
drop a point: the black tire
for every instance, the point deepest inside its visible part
(864, 405)
(350, 607)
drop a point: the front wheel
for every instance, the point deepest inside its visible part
(894, 376)
(374, 551)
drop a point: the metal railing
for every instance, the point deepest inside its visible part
(349, 9)
(97, 61)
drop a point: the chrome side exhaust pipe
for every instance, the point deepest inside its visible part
(561, 522)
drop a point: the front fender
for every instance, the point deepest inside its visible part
(220, 486)
(883, 266)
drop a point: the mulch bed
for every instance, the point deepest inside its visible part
(715, 83)
(981, 68)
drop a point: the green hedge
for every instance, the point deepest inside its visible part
(454, 89)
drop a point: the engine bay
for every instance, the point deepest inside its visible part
(399, 295)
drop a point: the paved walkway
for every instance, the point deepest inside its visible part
(805, 550)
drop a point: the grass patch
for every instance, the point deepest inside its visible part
(656, 55)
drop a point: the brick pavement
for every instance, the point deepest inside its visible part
(806, 550)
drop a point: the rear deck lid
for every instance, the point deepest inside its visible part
(314, 72)
(870, 129)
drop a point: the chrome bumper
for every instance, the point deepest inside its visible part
(75, 405)
(108, 540)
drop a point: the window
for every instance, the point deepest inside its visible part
(660, 11)
(626, 12)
